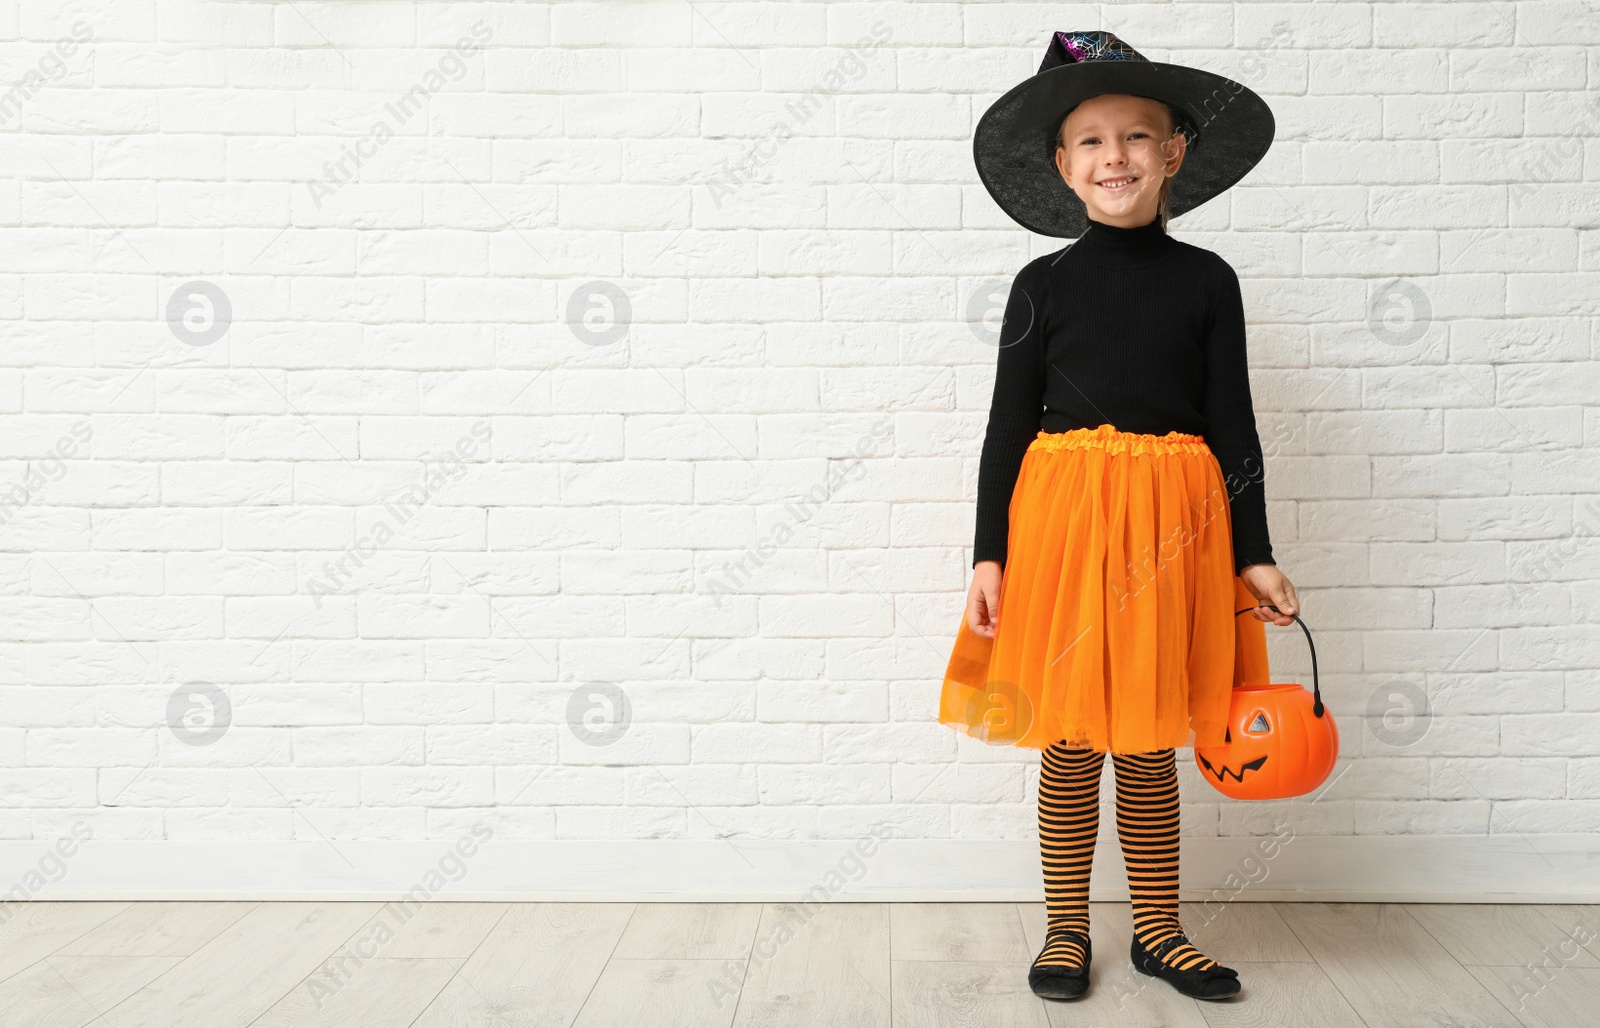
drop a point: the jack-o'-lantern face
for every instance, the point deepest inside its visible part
(1273, 746)
(1259, 727)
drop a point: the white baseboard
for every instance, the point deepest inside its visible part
(1441, 868)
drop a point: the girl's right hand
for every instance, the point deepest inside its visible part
(983, 599)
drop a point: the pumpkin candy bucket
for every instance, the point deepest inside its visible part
(1280, 742)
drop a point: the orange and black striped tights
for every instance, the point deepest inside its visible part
(1147, 824)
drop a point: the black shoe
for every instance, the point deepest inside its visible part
(1059, 981)
(1213, 983)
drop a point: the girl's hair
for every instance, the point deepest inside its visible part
(1176, 121)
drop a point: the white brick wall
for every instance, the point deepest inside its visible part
(633, 510)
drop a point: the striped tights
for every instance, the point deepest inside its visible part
(1147, 825)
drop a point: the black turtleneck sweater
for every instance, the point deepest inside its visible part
(1132, 328)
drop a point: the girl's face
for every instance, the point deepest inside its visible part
(1114, 152)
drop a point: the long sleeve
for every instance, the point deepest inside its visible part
(1231, 421)
(1014, 413)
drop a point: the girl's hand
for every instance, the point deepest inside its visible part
(983, 599)
(1269, 585)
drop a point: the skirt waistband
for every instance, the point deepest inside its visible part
(1110, 438)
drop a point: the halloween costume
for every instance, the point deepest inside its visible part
(1054, 353)
(1117, 619)
(1122, 449)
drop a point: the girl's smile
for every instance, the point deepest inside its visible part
(1117, 152)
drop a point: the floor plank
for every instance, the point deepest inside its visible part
(1280, 994)
(1498, 934)
(158, 929)
(433, 930)
(1389, 969)
(245, 970)
(971, 932)
(823, 963)
(445, 964)
(689, 931)
(72, 991)
(387, 993)
(657, 992)
(1555, 998)
(970, 993)
(535, 969)
(1580, 921)
(36, 930)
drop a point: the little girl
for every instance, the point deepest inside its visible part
(1121, 506)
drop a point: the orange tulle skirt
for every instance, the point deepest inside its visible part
(1116, 625)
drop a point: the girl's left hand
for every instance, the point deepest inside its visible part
(1270, 586)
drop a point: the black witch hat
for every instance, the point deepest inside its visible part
(1229, 129)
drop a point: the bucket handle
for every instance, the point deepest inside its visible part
(1316, 688)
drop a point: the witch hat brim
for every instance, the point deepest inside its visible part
(1015, 141)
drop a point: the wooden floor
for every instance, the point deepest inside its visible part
(692, 965)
